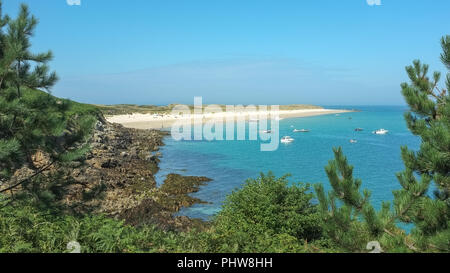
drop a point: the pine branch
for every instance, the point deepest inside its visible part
(28, 178)
(445, 56)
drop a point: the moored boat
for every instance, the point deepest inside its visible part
(380, 132)
(287, 139)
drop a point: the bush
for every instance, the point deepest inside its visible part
(266, 215)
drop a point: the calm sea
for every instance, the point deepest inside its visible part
(229, 163)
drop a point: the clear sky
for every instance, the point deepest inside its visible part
(325, 52)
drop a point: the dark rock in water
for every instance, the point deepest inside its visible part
(176, 184)
(165, 201)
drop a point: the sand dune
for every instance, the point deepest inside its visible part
(160, 121)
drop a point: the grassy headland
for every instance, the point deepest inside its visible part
(127, 109)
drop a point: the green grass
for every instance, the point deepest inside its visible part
(74, 108)
(126, 109)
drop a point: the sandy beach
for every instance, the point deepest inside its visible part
(162, 121)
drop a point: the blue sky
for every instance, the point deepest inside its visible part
(325, 52)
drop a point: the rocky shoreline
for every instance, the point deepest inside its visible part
(119, 173)
(126, 161)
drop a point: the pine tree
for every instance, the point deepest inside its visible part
(18, 36)
(351, 221)
(31, 120)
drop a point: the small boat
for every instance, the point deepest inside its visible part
(287, 139)
(301, 131)
(353, 141)
(359, 129)
(380, 132)
(266, 131)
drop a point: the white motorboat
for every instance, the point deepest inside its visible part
(353, 141)
(287, 139)
(266, 131)
(301, 131)
(380, 132)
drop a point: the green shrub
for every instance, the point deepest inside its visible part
(266, 215)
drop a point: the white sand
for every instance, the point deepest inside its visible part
(159, 121)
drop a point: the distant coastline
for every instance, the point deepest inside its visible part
(166, 120)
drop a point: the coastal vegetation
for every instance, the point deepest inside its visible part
(268, 214)
(32, 122)
(128, 109)
(66, 175)
(281, 219)
(423, 199)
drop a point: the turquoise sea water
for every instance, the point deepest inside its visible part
(229, 163)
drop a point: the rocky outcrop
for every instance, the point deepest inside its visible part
(116, 178)
(123, 162)
(116, 162)
(159, 207)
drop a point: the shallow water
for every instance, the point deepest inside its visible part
(376, 157)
